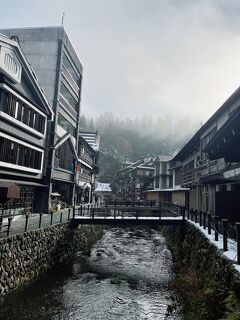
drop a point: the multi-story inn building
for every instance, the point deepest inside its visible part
(103, 192)
(225, 145)
(59, 72)
(86, 171)
(167, 181)
(162, 176)
(25, 116)
(133, 180)
(206, 169)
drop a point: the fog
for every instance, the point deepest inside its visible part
(159, 58)
(170, 133)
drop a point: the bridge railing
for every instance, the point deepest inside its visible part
(143, 203)
(126, 209)
(114, 213)
(129, 203)
(223, 230)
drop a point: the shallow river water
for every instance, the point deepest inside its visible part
(125, 277)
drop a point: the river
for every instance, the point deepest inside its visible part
(125, 277)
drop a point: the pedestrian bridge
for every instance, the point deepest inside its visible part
(120, 213)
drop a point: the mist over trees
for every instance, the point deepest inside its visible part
(129, 139)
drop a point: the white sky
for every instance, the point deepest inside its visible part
(153, 57)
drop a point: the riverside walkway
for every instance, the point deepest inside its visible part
(13, 224)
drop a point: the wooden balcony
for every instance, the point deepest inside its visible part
(209, 167)
(87, 159)
(190, 177)
(85, 178)
(203, 169)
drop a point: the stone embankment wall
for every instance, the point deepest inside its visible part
(206, 282)
(23, 257)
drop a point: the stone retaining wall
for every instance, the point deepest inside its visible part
(23, 257)
(206, 281)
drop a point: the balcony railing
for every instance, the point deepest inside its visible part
(203, 168)
(87, 158)
(84, 177)
(190, 176)
(209, 167)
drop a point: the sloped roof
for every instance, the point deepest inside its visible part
(193, 143)
(227, 135)
(63, 139)
(29, 72)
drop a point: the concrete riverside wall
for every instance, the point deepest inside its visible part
(206, 281)
(23, 257)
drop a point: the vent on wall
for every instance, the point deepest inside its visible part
(9, 64)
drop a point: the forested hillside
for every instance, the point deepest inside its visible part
(127, 140)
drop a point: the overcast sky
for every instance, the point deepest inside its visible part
(141, 57)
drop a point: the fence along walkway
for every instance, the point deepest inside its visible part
(12, 223)
(130, 213)
(224, 230)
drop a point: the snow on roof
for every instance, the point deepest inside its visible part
(164, 157)
(147, 162)
(168, 189)
(92, 138)
(55, 194)
(142, 166)
(103, 187)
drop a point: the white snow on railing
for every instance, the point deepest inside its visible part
(231, 254)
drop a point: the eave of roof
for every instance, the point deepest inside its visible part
(193, 143)
(228, 129)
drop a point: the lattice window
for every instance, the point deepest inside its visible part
(18, 154)
(17, 109)
(25, 202)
